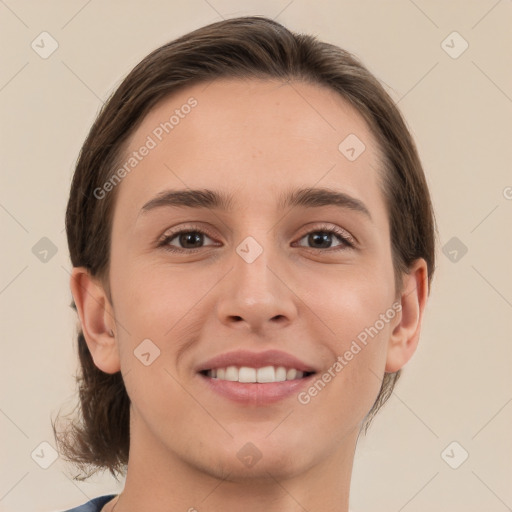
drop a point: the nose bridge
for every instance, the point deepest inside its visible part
(254, 291)
(252, 267)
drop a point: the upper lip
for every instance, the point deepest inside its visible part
(255, 360)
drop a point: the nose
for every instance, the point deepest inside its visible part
(257, 295)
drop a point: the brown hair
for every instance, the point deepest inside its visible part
(247, 47)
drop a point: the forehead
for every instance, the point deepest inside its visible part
(254, 138)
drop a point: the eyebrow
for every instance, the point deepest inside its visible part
(219, 200)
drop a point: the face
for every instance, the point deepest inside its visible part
(309, 279)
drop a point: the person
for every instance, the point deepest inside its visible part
(253, 244)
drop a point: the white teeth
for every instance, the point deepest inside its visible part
(231, 373)
(280, 374)
(247, 374)
(266, 374)
(291, 373)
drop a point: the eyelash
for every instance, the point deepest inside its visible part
(346, 239)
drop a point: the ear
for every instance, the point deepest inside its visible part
(406, 333)
(97, 319)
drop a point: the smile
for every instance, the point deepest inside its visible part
(254, 393)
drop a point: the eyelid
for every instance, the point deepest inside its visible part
(348, 239)
(183, 228)
(343, 233)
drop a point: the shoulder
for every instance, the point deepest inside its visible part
(95, 505)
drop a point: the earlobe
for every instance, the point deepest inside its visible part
(97, 319)
(405, 335)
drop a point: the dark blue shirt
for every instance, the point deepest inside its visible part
(94, 505)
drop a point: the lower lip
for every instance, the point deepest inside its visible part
(256, 393)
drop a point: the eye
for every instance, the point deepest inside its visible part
(320, 238)
(190, 239)
(187, 238)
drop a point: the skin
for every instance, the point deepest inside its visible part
(254, 139)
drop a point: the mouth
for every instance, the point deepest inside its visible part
(255, 387)
(255, 378)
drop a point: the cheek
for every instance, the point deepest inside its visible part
(152, 297)
(355, 315)
(156, 303)
(168, 306)
(348, 300)
(162, 405)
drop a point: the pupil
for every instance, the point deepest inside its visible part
(185, 238)
(314, 237)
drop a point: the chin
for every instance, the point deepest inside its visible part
(260, 459)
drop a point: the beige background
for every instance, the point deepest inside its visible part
(457, 387)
